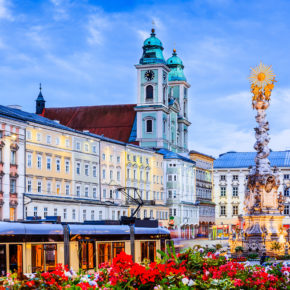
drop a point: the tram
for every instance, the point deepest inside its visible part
(32, 247)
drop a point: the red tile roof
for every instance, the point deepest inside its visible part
(114, 121)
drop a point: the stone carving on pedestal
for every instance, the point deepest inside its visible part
(263, 205)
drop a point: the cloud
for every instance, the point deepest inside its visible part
(96, 26)
(5, 13)
(61, 12)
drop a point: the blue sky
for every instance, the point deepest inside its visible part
(84, 53)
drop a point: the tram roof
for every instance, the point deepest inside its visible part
(114, 230)
(7, 228)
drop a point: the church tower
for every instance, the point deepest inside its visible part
(40, 102)
(178, 91)
(152, 100)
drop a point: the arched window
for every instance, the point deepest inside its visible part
(149, 126)
(149, 93)
(164, 95)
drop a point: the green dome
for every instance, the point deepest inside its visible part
(152, 50)
(176, 68)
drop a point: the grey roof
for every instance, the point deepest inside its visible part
(234, 159)
(172, 155)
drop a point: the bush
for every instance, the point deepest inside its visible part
(253, 256)
(239, 249)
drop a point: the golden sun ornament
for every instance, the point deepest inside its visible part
(262, 76)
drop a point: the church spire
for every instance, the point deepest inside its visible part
(40, 102)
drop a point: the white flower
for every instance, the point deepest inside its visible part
(190, 283)
(286, 273)
(68, 274)
(158, 287)
(247, 264)
(185, 281)
(226, 256)
(201, 250)
(93, 283)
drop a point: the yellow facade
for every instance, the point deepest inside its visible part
(48, 161)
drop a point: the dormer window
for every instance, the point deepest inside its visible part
(149, 126)
(149, 93)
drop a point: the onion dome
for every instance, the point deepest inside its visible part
(152, 50)
(175, 64)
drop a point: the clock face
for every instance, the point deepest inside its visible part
(149, 75)
(164, 76)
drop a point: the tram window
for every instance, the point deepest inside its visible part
(118, 248)
(87, 258)
(3, 260)
(162, 245)
(148, 250)
(43, 257)
(104, 253)
(15, 258)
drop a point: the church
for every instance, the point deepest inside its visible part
(159, 121)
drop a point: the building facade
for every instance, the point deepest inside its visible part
(12, 168)
(204, 190)
(231, 172)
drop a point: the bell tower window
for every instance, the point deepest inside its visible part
(149, 126)
(149, 93)
(164, 95)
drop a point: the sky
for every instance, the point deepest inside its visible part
(84, 52)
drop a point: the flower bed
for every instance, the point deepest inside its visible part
(193, 269)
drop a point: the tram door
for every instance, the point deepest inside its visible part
(148, 250)
(15, 258)
(3, 260)
(87, 254)
(44, 257)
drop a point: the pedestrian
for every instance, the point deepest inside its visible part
(263, 259)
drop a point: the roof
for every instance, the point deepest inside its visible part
(245, 159)
(16, 114)
(196, 152)
(172, 155)
(112, 121)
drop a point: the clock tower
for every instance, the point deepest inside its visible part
(152, 100)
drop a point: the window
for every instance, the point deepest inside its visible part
(48, 187)
(94, 192)
(13, 157)
(223, 177)
(84, 214)
(73, 214)
(108, 251)
(58, 165)
(287, 209)
(113, 215)
(87, 169)
(94, 171)
(67, 144)
(104, 156)
(48, 163)
(286, 176)
(29, 185)
(86, 191)
(235, 191)
(223, 191)
(235, 210)
(111, 158)
(39, 186)
(58, 188)
(64, 213)
(67, 166)
(151, 214)
(111, 193)
(43, 257)
(118, 175)
(287, 192)
(104, 193)
(57, 141)
(67, 189)
(12, 185)
(147, 161)
(55, 212)
(35, 211)
(223, 210)
(134, 158)
(100, 215)
(149, 93)
(78, 168)
(145, 213)
(94, 149)
(28, 135)
(148, 250)
(147, 195)
(45, 212)
(149, 126)
(86, 147)
(78, 146)
(235, 177)
(111, 174)
(48, 139)
(78, 190)
(147, 176)
(38, 137)
(118, 159)
(104, 173)
(92, 215)
(128, 157)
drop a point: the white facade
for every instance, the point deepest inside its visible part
(12, 169)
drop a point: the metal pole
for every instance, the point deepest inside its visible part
(132, 241)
